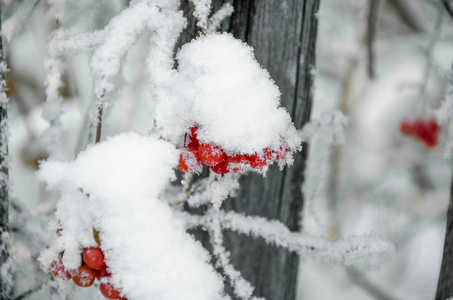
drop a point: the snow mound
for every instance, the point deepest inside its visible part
(115, 187)
(221, 88)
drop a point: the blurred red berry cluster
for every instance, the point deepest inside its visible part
(425, 131)
(93, 267)
(196, 153)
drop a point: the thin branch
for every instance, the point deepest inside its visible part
(373, 18)
(369, 249)
(192, 6)
(99, 124)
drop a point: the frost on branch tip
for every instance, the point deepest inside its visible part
(202, 11)
(238, 111)
(366, 249)
(120, 34)
(331, 125)
(115, 187)
(76, 43)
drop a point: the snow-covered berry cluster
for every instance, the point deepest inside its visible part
(425, 131)
(196, 153)
(92, 267)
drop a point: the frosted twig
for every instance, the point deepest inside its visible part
(53, 136)
(77, 43)
(242, 288)
(120, 34)
(332, 125)
(370, 249)
(216, 192)
(201, 10)
(214, 22)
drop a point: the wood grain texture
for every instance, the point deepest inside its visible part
(283, 34)
(445, 283)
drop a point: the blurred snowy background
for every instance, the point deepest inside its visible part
(378, 181)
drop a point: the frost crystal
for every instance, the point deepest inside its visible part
(115, 187)
(202, 10)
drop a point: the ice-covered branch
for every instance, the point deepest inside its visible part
(369, 249)
(214, 22)
(242, 288)
(216, 192)
(120, 34)
(331, 125)
(77, 43)
(202, 9)
(53, 136)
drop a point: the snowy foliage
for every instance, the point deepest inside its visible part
(121, 200)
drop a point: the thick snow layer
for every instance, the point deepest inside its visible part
(222, 88)
(115, 187)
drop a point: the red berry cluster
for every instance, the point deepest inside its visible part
(424, 130)
(216, 158)
(93, 266)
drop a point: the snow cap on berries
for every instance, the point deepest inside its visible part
(224, 91)
(115, 187)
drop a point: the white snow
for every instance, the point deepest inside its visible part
(222, 88)
(202, 10)
(115, 187)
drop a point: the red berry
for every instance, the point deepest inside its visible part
(102, 273)
(109, 291)
(433, 126)
(94, 258)
(281, 154)
(192, 140)
(237, 163)
(188, 161)
(57, 269)
(406, 127)
(84, 276)
(221, 168)
(259, 161)
(210, 155)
